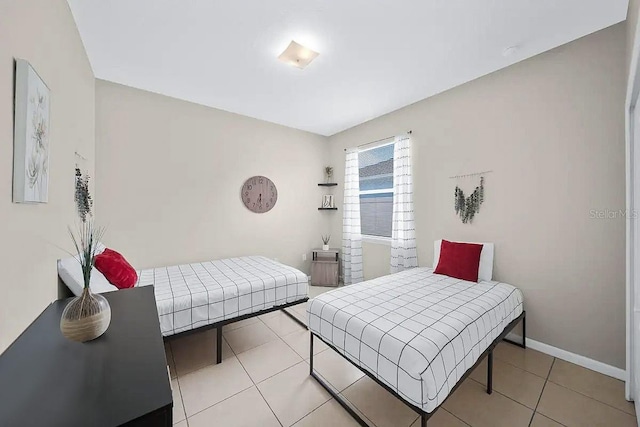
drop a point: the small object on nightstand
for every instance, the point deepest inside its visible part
(325, 242)
(325, 267)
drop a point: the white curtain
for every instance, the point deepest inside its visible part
(351, 233)
(403, 233)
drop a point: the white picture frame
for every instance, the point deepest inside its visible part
(327, 201)
(31, 141)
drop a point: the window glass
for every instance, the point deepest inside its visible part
(376, 190)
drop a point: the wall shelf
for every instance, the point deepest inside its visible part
(327, 209)
(328, 184)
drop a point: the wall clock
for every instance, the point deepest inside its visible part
(259, 194)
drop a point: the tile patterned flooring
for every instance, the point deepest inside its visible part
(264, 381)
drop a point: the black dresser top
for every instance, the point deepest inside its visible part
(48, 380)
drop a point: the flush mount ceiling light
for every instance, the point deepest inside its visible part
(511, 50)
(297, 55)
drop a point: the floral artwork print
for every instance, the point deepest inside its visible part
(38, 157)
(31, 140)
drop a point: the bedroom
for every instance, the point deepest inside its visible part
(169, 128)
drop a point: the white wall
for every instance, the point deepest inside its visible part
(633, 322)
(632, 26)
(169, 174)
(552, 130)
(42, 32)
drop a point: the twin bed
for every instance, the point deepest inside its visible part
(416, 333)
(210, 294)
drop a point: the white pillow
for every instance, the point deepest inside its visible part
(70, 272)
(485, 270)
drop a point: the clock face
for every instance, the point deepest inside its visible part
(259, 194)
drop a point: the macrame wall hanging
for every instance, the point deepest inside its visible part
(468, 206)
(82, 195)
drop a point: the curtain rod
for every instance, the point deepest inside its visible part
(409, 132)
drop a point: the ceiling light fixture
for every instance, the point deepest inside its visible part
(511, 50)
(297, 55)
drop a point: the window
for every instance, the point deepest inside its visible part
(376, 190)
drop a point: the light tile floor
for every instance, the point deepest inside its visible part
(264, 381)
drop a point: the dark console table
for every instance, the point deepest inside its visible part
(121, 378)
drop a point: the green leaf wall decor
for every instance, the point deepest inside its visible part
(467, 207)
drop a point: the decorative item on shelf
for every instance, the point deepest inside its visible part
(325, 242)
(467, 207)
(30, 137)
(327, 201)
(87, 316)
(328, 171)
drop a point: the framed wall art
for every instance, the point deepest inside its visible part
(31, 143)
(327, 201)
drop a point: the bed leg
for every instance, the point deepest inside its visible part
(219, 345)
(490, 372)
(423, 420)
(524, 330)
(522, 344)
(310, 353)
(294, 318)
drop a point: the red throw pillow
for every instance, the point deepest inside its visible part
(116, 269)
(459, 260)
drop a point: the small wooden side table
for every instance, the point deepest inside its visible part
(325, 267)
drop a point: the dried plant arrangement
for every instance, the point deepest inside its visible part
(328, 170)
(82, 196)
(467, 207)
(88, 315)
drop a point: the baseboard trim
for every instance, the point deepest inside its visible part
(583, 361)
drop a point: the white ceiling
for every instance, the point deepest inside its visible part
(375, 56)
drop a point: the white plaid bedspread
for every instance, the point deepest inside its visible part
(416, 331)
(193, 295)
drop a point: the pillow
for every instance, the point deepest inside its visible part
(70, 273)
(116, 269)
(485, 272)
(459, 260)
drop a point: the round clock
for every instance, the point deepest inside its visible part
(259, 194)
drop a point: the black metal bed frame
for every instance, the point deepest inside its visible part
(424, 416)
(65, 292)
(218, 325)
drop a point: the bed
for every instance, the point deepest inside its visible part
(416, 333)
(208, 294)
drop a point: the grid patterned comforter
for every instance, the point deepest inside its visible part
(416, 331)
(193, 295)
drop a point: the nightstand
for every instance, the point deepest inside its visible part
(325, 267)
